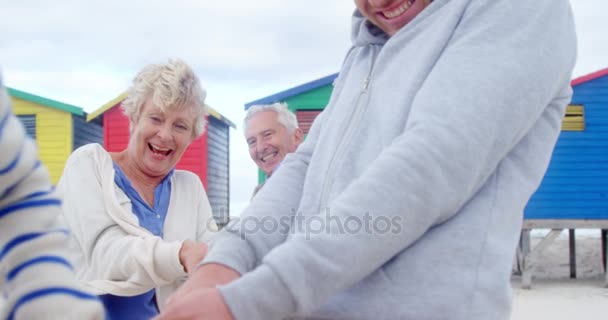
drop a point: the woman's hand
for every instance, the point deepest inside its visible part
(191, 254)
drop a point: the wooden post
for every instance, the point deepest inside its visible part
(526, 277)
(519, 254)
(604, 232)
(572, 244)
(605, 255)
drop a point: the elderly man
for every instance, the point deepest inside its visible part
(271, 132)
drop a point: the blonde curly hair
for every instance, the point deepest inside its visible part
(169, 86)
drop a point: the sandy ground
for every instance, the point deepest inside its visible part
(553, 294)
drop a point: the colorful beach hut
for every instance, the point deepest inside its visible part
(574, 191)
(208, 156)
(575, 186)
(58, 128)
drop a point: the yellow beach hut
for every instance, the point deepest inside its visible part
(57, 127)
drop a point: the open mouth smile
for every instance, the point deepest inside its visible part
(159, 150)
(269, 156)
(393, 13)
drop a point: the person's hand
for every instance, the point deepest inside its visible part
(191, 254)
(207, 276)
(202, 303)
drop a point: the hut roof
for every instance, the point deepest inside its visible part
(589, 77)
(45, 101)
(281, 96)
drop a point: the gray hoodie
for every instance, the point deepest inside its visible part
(406, 199)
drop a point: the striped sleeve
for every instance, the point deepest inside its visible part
(36, 278)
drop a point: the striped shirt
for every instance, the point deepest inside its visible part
(36, 279)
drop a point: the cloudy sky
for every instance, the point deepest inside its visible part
(86, 52)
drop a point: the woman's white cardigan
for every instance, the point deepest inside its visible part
(111, 252)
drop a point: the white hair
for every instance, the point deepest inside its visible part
(169, 86)
(284, 116)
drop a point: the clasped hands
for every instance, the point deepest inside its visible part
(198, 298)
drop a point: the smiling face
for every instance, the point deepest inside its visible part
(269, 141)
(159, 139)
(391, 15)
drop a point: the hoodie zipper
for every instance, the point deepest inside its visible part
(351, 124)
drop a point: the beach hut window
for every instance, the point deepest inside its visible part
(574, 120)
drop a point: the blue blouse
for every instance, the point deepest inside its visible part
(142, 306)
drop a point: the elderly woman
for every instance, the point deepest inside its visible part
(139, 226)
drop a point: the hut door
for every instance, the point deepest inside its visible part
(306, 118)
